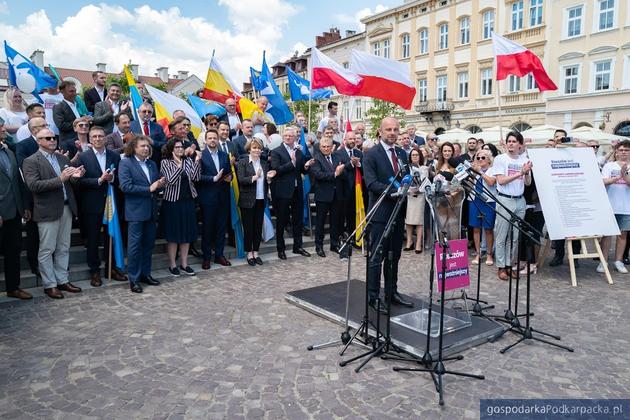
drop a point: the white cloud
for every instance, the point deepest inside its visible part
(4, 8)
(355, 19)
(298, 47)
(154, 38)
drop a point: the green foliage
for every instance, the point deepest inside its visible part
(379, 110)
(120, 80)
(302, 106)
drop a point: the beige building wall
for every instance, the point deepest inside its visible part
(466, 57)
(591, 64)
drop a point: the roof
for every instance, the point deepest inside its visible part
(85, 77)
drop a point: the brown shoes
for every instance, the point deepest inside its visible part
(53, 293)
(69, 287)
(205, 264)
(95, 280)
(19, 294)
(117, 275)
(222, 261)
(503, 275)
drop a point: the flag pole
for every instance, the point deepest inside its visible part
(109, 264)
(499, 105)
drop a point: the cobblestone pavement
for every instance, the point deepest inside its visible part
(226, 344)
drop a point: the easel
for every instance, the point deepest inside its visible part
(583, 254)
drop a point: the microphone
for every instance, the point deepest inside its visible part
(461, 172)
(406, 183)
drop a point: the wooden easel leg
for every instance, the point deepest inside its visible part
(571, 262)
(603, 262)
(542, 254)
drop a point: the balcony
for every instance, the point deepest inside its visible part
(429, 107)
(528, 36)
(521, 98)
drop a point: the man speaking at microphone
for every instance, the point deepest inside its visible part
(381, 163)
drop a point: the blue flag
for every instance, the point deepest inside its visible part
(300, 88)
(254, 76)
(306, 180)
(25, 75)
(278, 107)
(203, 107)
(110, 218)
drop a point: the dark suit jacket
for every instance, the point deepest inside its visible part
(156, 133)
(419, 140)
(328, 187)
(349, 172)
(64, 117)
(378, 170)
(91, 98)
(288, 177)
(92, 194)
(114, 142)
(140, 202)
(247, 189)
(233, 133)
(11, 184)
(24, 149)
(104, 116)
(239, 144)
(211, 192)
(46, 186)
(232, 149)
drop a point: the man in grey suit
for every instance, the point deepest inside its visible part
(105, 111)
(48, 174)
(12, 210)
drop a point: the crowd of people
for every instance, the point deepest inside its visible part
(59, 158)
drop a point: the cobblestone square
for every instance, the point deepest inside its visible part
(226, 344)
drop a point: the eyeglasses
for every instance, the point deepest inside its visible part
(481, 158)
(47, 138)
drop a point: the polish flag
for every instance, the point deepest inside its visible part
(384, 78)
(512, 58)
(326, 72)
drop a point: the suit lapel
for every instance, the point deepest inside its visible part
(139, 170)
(210, 162)
(383, 156)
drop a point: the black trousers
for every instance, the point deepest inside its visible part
(32, 244)
(10, 235)
(323, 210)
(559, 244)
(94, 237)
(252, 225)
(294, 207)
(393, 244)
(348, 215)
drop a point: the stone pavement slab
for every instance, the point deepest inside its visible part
(225, 344)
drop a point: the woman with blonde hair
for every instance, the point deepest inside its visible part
(14, 111)
(482, 210)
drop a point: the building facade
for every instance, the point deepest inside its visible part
(590, 59)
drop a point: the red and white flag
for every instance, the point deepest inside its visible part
(512, 58)
(326, 73)
(383, 78)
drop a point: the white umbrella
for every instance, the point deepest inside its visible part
(492, 134)
(455, 134)
(590, 133)
(541, 133)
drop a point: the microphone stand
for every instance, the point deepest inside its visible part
(438, 370)
(345, 338)
(526, 333)
(384, 346)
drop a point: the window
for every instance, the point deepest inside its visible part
(462, 85)
(386, 48)
(405, 46)
(535, 12)
(520, 126)
(574, 21)
(441, 88)
(423, 37)
(486, 82)
(517, 15)
(443, 44)
(358, 110)
(571, 79)
(376, 48)
(603, 70)
(488, 24)
(514, 84)
(464, 31)
(606, 14)
(422, 90)
(346, 65)
(530, 82)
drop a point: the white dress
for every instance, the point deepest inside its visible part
(415, 198)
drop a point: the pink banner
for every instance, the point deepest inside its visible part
(456, 265)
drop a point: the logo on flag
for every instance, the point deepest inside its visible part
(25, 75)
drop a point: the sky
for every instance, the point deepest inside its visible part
(180, 36)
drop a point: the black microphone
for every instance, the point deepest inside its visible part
(453, 162)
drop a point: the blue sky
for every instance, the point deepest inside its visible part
(180, 36)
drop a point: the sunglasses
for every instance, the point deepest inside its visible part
(83, 125)
(48, 138)
(481, 158)
(595, 147)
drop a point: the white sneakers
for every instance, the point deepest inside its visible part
(619, 266)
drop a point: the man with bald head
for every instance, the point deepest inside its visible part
(380, 164)
(234, 118)
(261, 116)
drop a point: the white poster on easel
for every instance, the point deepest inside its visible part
(572, 194)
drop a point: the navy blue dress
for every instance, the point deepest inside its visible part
(178, 220)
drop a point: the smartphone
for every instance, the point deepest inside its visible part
(566, 139)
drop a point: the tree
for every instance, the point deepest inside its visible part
(379, 110)
(302, 106)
